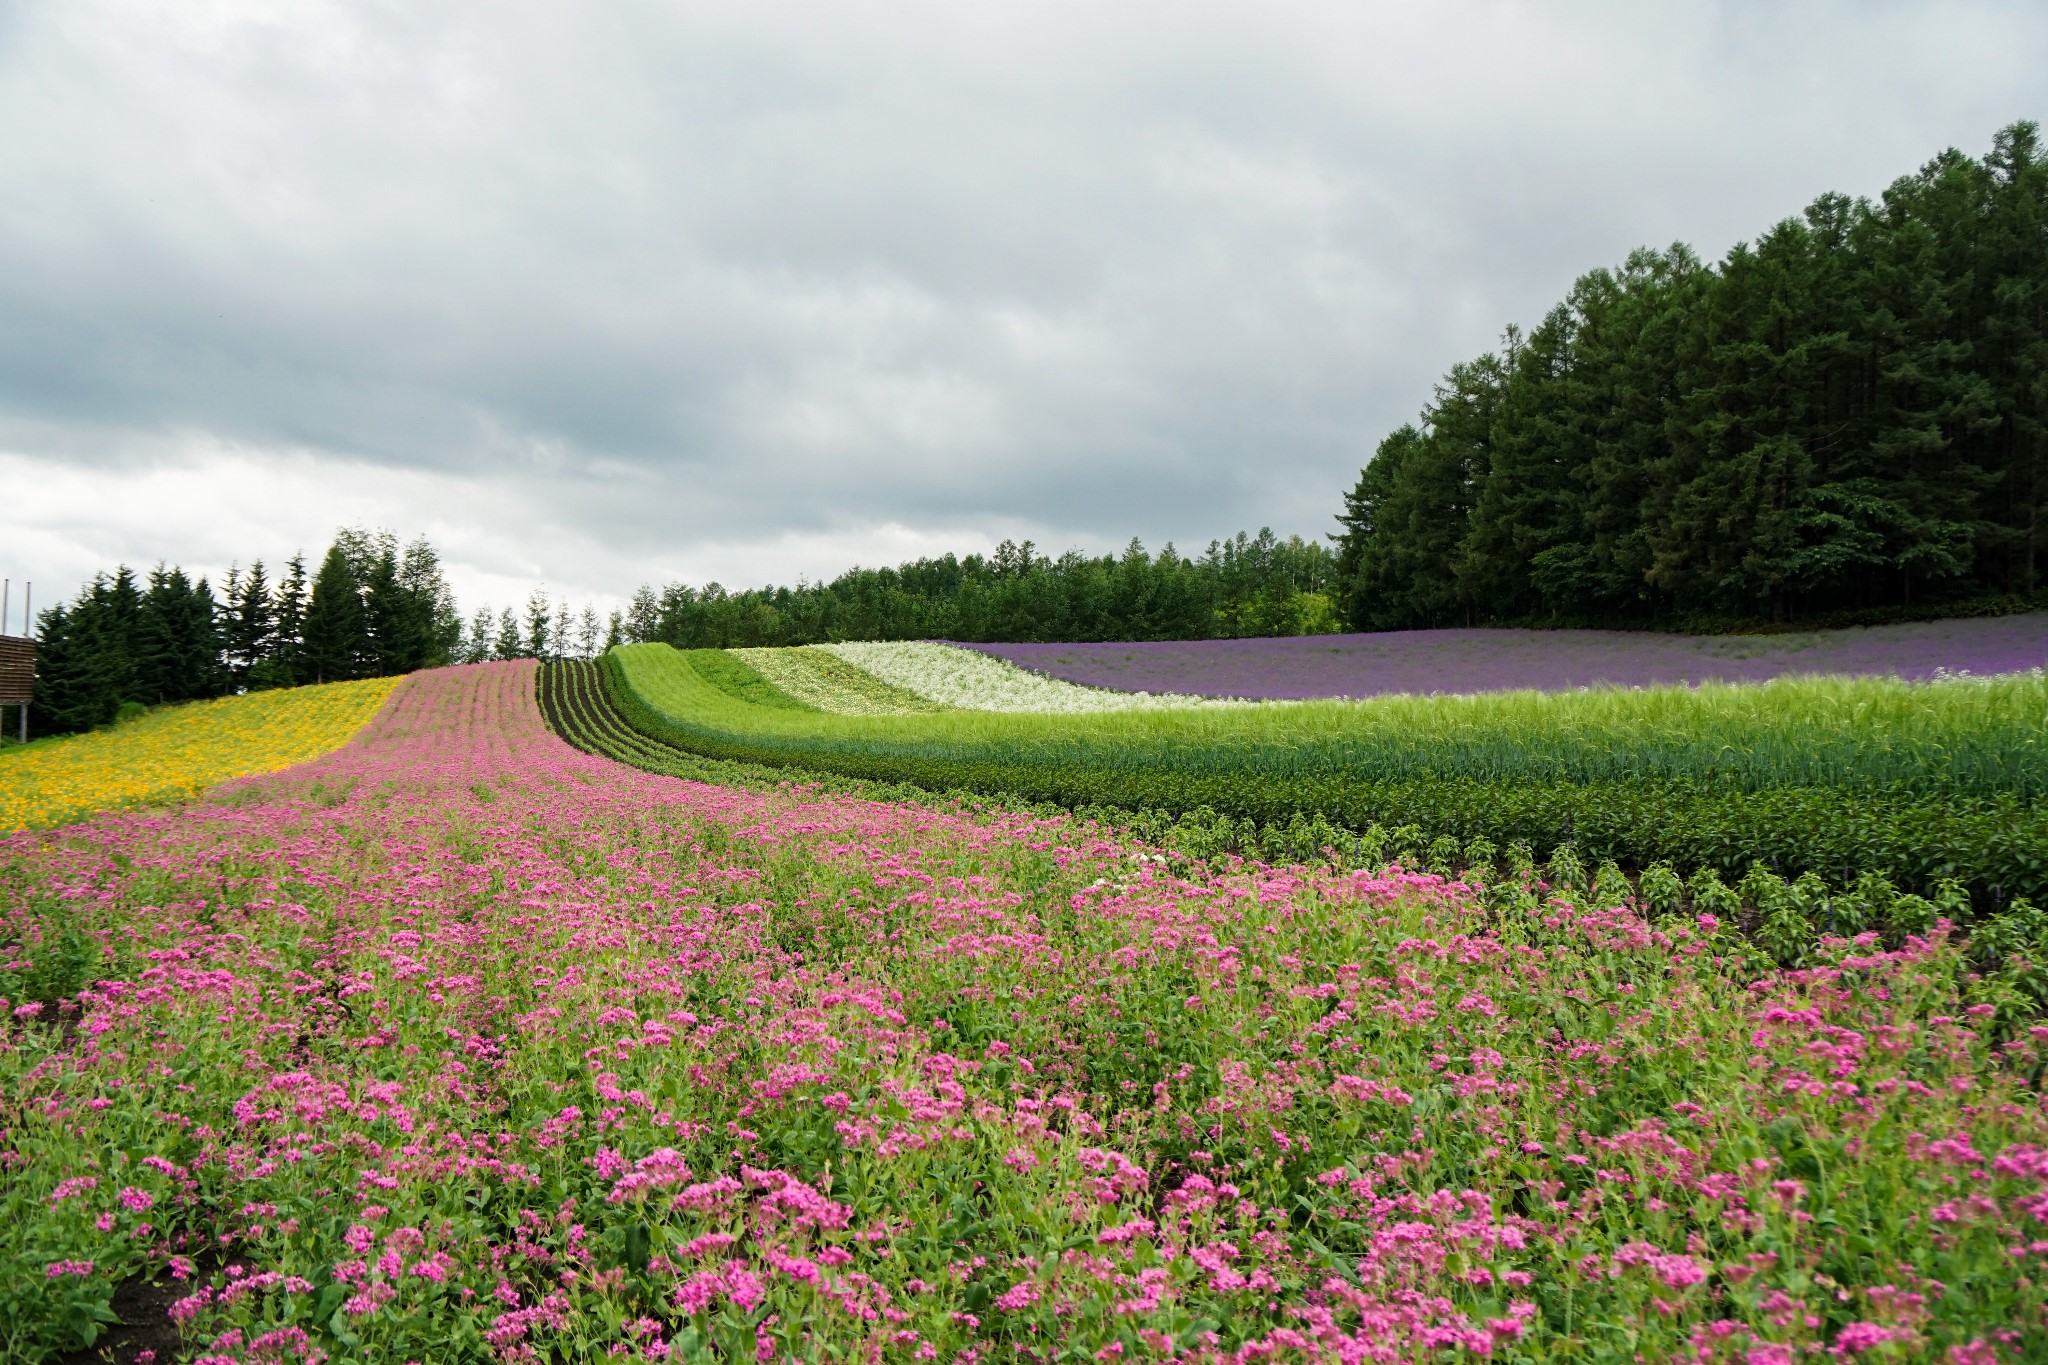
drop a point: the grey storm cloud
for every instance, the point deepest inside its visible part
(602, 293)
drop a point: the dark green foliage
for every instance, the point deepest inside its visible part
(85, 659)
(248, 624)
(1242, 587)
(336, 645)
(1848, 416)
(177, 645)
(372, 610)
(281, 662)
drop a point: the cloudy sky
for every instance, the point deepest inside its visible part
(598, 292)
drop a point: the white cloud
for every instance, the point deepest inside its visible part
(603, 294)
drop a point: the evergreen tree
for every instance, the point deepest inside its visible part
(397, 634)
(58, 680)
(507, 645)
(476, 641)
(538, 616)
(561, 634)
(249, 626)
(337, 645)
(178, 648)
(1848, 413)
(437, 625)
(85, 659)
(281, 661)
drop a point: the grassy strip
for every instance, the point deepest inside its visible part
(1995, 846)
(736, 677)
(829, 683)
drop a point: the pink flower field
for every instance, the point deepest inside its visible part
(462, 1045)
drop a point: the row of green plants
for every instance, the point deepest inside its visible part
(1354, 766)
(1962, 737)
(1783, 916)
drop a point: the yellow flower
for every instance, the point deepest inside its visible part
(175, 753)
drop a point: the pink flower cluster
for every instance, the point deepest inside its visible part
(503, 1039)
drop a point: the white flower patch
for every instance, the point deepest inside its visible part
(975, 681)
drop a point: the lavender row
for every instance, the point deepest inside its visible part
(1453, 661)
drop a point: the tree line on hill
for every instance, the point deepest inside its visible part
(1243, 586)
(371, 608)
(1849, 414)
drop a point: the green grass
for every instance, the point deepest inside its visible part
(736, 678)
(830, 683)
(1834, 776)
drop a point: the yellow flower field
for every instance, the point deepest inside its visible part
(180, 751)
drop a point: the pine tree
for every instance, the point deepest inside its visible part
(336, 638)
(249, 631)
(643, 617)
(436, 622)
(538, 616)
(476, 641)
(57, 675)
(1848, 413)
(507, 645)
(396, 632)
(85, 661)
(280, 664)
(561, 633)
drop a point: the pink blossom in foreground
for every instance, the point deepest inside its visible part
(464, 1028)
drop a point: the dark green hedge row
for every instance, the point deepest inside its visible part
(1998, 848)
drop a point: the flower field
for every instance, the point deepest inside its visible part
(1923, 783)
(177, 752)
(972, 681)
(1422, 662)
(462, 1045)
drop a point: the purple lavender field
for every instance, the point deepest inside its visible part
(1425, 661)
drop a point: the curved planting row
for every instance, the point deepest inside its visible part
(499, 1052)
(578, 707)
(1248, 764)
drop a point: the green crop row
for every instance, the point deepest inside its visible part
(1783, 921)
(1965, 737)
(1249, 765)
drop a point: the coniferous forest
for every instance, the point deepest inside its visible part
(368, 609)
(1849, 414)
